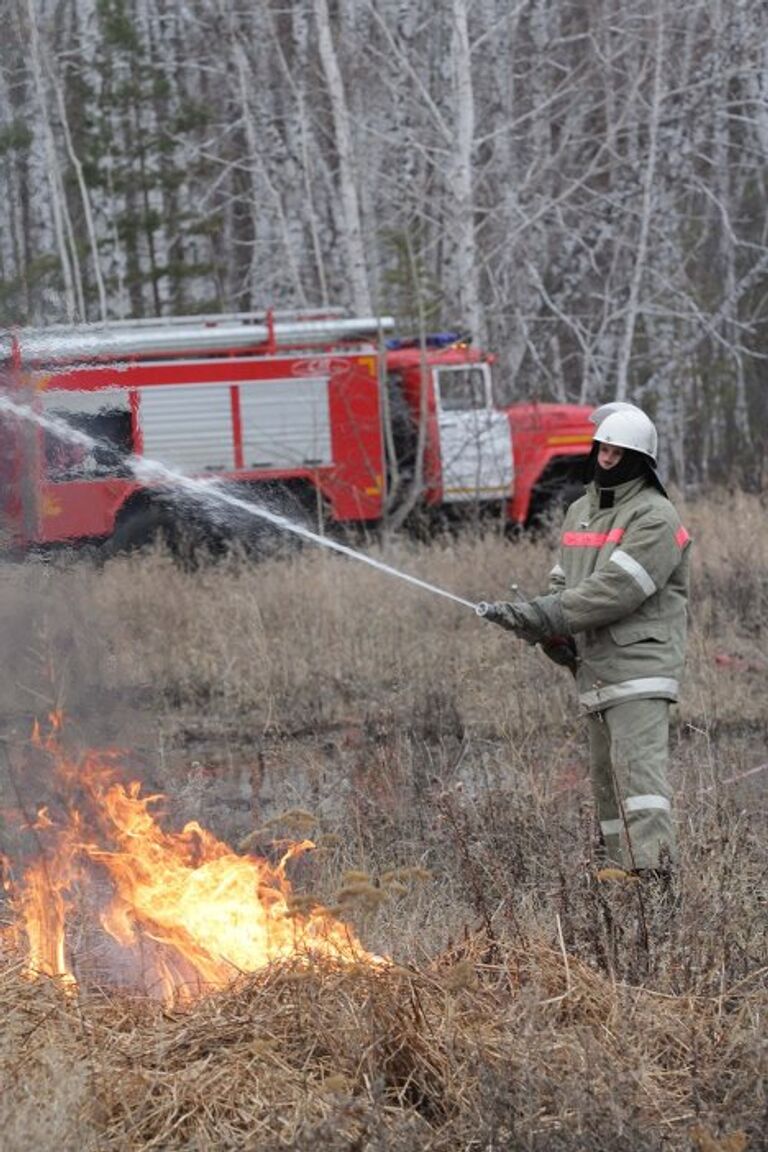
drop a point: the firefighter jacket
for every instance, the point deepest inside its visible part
(622, 575)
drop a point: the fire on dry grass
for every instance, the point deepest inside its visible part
(185, 913)
(302, 1038)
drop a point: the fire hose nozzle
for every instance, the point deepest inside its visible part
(482, 609)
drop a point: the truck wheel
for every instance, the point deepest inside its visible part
(260, 538)
(144, 528)
(548, 513)
(189, 537)
(569, 492)
(190, 542)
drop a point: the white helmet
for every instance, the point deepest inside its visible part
(627, 427)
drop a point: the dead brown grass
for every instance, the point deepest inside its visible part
(444, 763)
(483, 1048)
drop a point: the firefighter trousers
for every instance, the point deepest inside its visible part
(629, 750)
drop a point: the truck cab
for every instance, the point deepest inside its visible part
(528, 457)
(468, 452)
(551, 443)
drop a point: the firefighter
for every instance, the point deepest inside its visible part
(616, 614)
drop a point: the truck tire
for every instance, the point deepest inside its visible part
(144, 527)
(556, 489)
(193, 537)
(258, 537)
(189, 538)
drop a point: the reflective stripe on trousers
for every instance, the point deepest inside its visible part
(634, 804)
(628, 755)
(644, 686)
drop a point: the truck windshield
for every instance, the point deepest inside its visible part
(463, 389)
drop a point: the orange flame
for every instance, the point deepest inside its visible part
(193, 912)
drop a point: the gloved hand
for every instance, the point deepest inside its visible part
(503, 613)
(562, 650)
(531, 620)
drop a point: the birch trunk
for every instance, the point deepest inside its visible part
(415, 487)
(254, 158)
(349, 216)
(722, 150)
(646, 212)
(461, 175)
(58, 208)
(84, 198)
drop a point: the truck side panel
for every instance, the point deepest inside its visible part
(81, 489)
(299, 419)
(81, 509)
(357, 485)
(188, 426)
(286, 423)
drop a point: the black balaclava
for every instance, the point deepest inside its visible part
(631, 466)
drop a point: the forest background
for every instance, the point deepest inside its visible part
(579, 185)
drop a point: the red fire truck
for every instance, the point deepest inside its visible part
(316, 411)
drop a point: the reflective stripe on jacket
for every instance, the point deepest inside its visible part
(623, 574)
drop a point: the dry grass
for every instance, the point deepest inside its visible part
(488, 1047)
(525, 1008)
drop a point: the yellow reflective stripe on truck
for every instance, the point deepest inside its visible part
(571, 438)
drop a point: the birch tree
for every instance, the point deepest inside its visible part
(349, 223)
(584, 185)
(646, 206)
(461, 175)
(71, 283)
